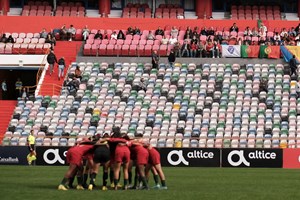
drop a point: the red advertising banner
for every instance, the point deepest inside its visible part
(291, 158)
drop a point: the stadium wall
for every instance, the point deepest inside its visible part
(36, 23)
(172, 157)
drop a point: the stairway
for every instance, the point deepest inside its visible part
(6, 111)
(51, 85)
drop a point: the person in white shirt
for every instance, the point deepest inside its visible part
(284, 33)
(85, 32)
(263, 29)
(173, 40)
(71, 32)
(277, 37)
(164, 40)
(114, 36)
(174, 31)
(150, 36)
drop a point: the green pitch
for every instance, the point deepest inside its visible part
(24, 182)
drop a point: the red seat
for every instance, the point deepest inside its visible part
(135, 42)
(94, 49)
(125, 50)
(148, 50)
(31, 49)
(132, 50)
(16, 48)
(23, 48)
(140, 50)
(87, 49)
(8, 48)
(163, 50)
(102, 49)
(39, 49)
(110, 50)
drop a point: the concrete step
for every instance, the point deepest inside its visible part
(190, 15)
(14, 12)
(115, 14)
(92, 13)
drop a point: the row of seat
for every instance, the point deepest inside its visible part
(255, 12)
(220, 105)
(25, 48)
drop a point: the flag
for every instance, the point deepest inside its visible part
(289, 51)
(269, 51)
(231, 51)
(250, 51)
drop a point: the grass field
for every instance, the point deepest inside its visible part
(24, 182)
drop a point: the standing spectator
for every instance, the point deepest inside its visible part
(4, 90)
(171, 58)
(121, 35)
(159, 31)
(234, 28)
(150, 36)
(155, 59)
(263, 29)
(98, 35)
(43, 33)
(61, 67)
(185, 48)
(85, 32)
(293, 65)
(78, 72)
(51, 59)
(174, 32)
(18, 86)
(114, 36)
(71, 32)
(25, 93)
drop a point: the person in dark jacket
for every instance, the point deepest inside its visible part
(61, 67)
(155, 59)
(51, 59)
(171, 58)
(293, 65)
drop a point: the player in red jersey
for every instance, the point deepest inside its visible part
(155, 165)
(74, 158)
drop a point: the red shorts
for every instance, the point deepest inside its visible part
(142, 156)
(154, 156)
(74, 158)
(122, 154)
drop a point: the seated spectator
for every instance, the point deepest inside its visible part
(263, 85)
(201, 51)
(98, 35)
(204, 31)
(63, 32)
(176, 48)
(255, 32)
(188, 33)
(216, 50)
(43, 33)
(51, 40)
(174, 31)
(194, 39)
(239, 41)
(114, 36)
(209, 48)
(277, 37)
(211, 31)
(85, 32)
(3, 38)
(121, 35)
(10, 39)
(185, 49)
(292, 32)
(137, 31)
(140, 86)
(130, 31)
(173, 40)
(298, 89)
(105, 35)
(164, 40)
(71, 32)
(248, 31)
(73, 85)
(159, 31)
(150, 36)
(78, 73)
(195, 32)
(262, 41)
(194, 48)
(284, 33)
(234, 28)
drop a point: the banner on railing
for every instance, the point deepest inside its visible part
(291, 158)
(231, 51)
(13, 155)
(51, 155)
(190, 157)
(271, 158)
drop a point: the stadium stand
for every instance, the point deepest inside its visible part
(256, 12)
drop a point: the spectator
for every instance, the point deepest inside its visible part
(164, 40)
(194, 48)
(73, 85)
(105, 35)
(150, 36)
(43, 33)
(121, 35)
(176, 48)
(188, 33)
(63, 32)
(51, 59)
(173, 40)
(211, 31)
(174, 32)
(78, 72)
(293, 65)
(263, 29)
(284, 33)
(18, 86)
(201, 50)
(71, 32)
(140, 86)
(185, 49)
(204, 31)
(195, 32)
(10, 39)
(25, 92)
(216, 49)
(61, 67)
(114, 36)
(234, 28)
(297, 29)
(209, 48)
(262, 41)
(98, 35)
(159, 31)
(4, 90)
(130, 31)
(85, 32)
(137, 31)
(255, 32)
(239, 41)
(263, 85)
(155, 59)
(277, 37)
(248, 31)
(194, 39)
(171, 58)
(3, 38)
(292, 33)
(298, 89)
(51, 40)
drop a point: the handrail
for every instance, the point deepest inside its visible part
(41, 68)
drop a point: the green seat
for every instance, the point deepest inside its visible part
(146, 105)
(96, 64)
(73, 134)
(221, 124)
(153, 71)
(47, 99)
(52, 104)
(226, 143)
(259, 144)
(30, 122)
(109, 71)
(87, 93)
(94, 98)
(284, 132)
(6, 141)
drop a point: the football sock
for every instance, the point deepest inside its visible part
(93, 178)
(64, 181)
(129, 177)
(116, 182)
(79, 180)
(155, 179)
(71, 180)
(144, 181)
(105, 177)
(163, 183)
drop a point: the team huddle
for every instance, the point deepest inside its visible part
(114, 153)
